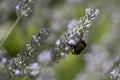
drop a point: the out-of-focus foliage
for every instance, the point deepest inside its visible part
(103, 45)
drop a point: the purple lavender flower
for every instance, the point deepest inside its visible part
(89, 11)
(17, 7)
(58, 42)
(72, 41)
(18, 72)
(97, 12)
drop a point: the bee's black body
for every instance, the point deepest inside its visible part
(79, 47)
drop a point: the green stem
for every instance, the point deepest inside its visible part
(5, 38)
(24, 78)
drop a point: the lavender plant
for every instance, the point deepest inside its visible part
(23, 9)
(76, 30)
(20, 65)
(27, 63)
(16, 65)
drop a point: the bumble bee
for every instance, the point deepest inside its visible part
(78, 47)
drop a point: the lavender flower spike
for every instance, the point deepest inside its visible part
(24, 7)
(77, 29)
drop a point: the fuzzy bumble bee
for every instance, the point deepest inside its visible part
(78, 47)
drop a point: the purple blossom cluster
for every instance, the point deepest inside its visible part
(24, 8)
(115, 74)
(76, 29)
(24, 62)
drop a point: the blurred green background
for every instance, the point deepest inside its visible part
(102, 41)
